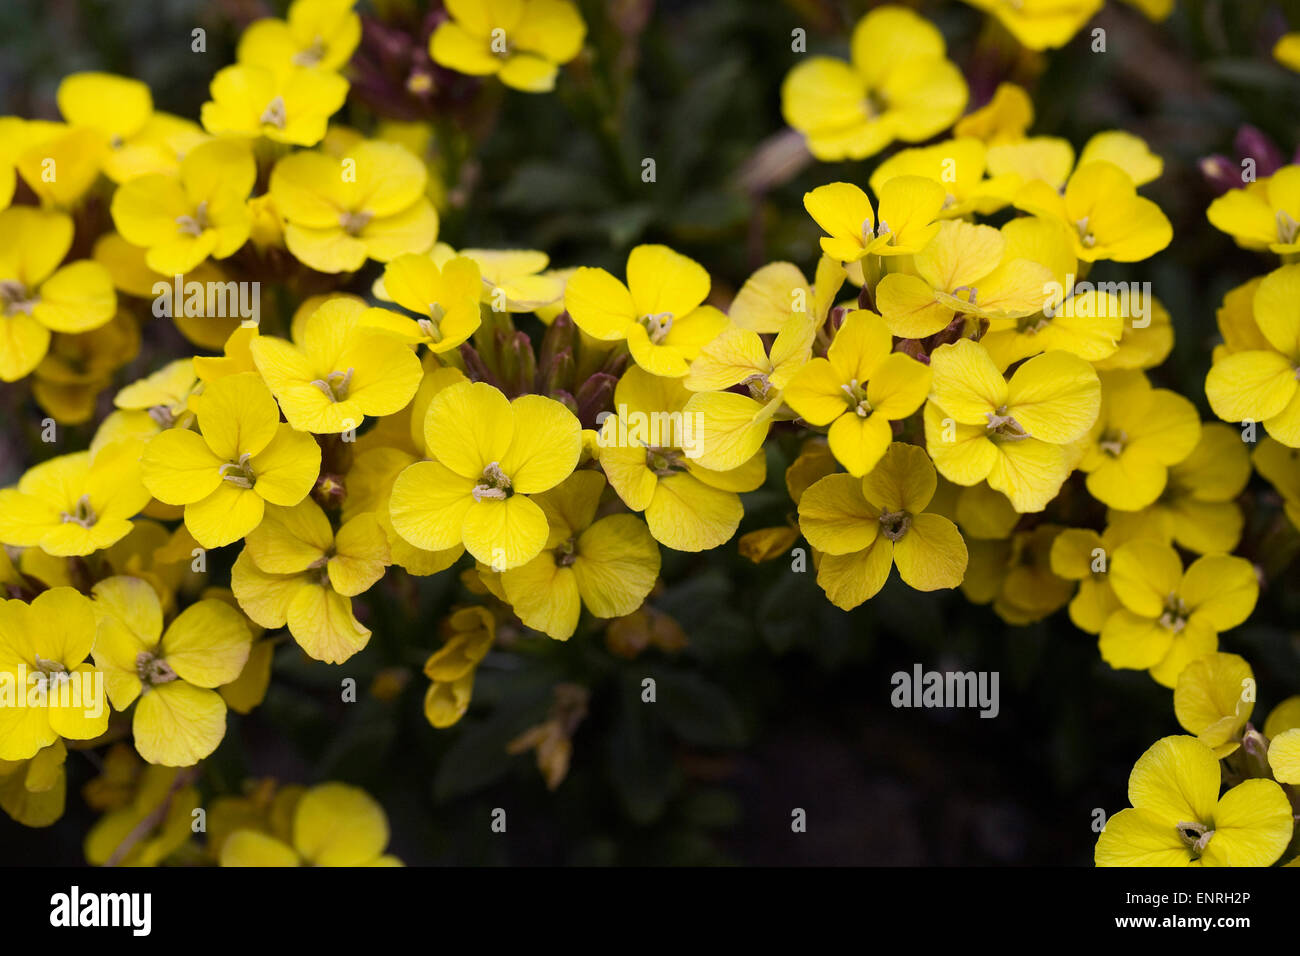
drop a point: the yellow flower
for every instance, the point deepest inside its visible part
(333, 825)
(75, 504)
(179, 719)
(900, 85)
(241, 458)
(73, 154)
(286, 106)
(1102, 213)
(446, 300)
(865, 526)
(1287, 51)
(1144, 347)
(157, 822)
(34, 791)
(1003, 119)
(966, 269)
(1197, 510)
(116, 107)
(1283, 730)
(339, 371)
(317, 33)
(1041, 24)
(182, 220)
(608, 565)
(366, 204)
(1213, 699)
(858, 390)
(38, 297)
(1080, 554)
(1179, 819)
(909, 206)
(1140, 432)
(732, 427)
(490, 455)
(645, 451)
(47, 688)
(1280, 465)
(523, 42)
(1016, 575)
(79, 366)
(453, 666)
(1087, 321)
(1261, 382)
(1170, 617)
(778, 292)
(296, 570)
(957, 165)
(1013, 433)
(1262, 215)
(660, 312)
(1050, 160)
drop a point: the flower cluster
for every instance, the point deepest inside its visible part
(968, 408)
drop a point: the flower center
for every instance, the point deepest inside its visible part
(874, 103)
(335, 385)
(894, 524)
(1113, 442)
(1287, 228)
(310, 56)
(493, 484)
(195, 224)
(240, 474)
(855, 396)
(664, 461)
(152, 669)
(1175, 614)
(1086, 238)
(15, 298)
(82, 514)
(354, 222)
(1002, 426)
(971, 292)
(274, 115)
(567, 553)
(759, 386)
(657, 325)
(1195, 836)
(163, 416)
(432, 324)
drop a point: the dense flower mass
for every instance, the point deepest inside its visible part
(964, 406)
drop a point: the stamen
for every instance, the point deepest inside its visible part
(432, 324)
(274, 114)
(894, 524)
(335, 385)
(1287, 228)
(239, 474)
(1004, 427)
(15, 298)
(494, 484)
(354, 222)
(658, 325)
(1087, 239)
(153, 670)
(82, 514)
(195, 224)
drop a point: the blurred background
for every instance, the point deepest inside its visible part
(778, 700)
